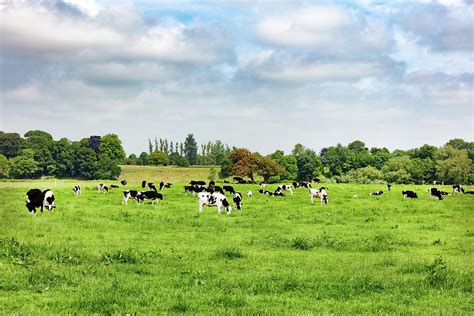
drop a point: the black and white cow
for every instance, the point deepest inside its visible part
(389, 186)
(457, 188)
(36, 198)
(469, 192)
(215, 188)
(377, 193)
(249, 193)
(150, 195)
(214, 199)
(197, 183)
(114, 186)
(229, 188)
(409, 194)
(285, 187)
(435, 192)
(263, 184)
(316, 180)
(238, 179)
(212, 182)
(123, 183)
(143, 184)
(194, 189)
(165, 185)
(276, 193)
(237, 200)
(262, 191)
(134, 194)
(100, 187)
(435, 182)
(319, 193)
(76, 190)
(151, 185)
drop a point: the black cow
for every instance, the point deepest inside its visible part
(215, 188)
(151, 185)
(389, 186)
(409, 194)
(150, 195)
(238, 179)
(457, 188)
(377, 193)
(36, 198)
(212, 182)
(316, 180)
(469, 192)
(114, 186)
(305, 184)
(143, 184)
(229, 188)
(277, 193)
(435, 192)
(123, 183)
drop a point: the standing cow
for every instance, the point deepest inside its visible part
(36, 198)
(214, 199)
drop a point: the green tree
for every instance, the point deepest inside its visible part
(63, 156)
(85, 160)
(218, 153)
(107, 169)
(379, 157)
(111, 146)
(454, 166)
(459, 143)
(5, 167)
(267, 167)
(363, 175)
(395, 170)
(338, 159)
(24, 166)
(298, 150)
(42, 144)
(190, 149)
(10, 144)
(421, 170)
(158, 158)
(143, 159)
(309, 165)
(131, 160)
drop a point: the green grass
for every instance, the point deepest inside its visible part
(372, 254)
(167, 174)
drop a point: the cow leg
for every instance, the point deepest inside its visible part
(312, 198)
(200, 207)
(219, 210)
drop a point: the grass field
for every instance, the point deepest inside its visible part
(372, 254)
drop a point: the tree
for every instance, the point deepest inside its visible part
(379, 157)
(24, 166)
(111, 147)
(425, 151)
(243, 163)
(85, 160)
(190, 149)
(267, 167)
(107, 169)
(131, 160)
(339, 159)
(5, 167)
(143, 159)
(42, 145)
(218, 153)
(10, 144)
(212, 174)
(297, 150)
(421, 170)
(364, 175)
(395, 170)
(459, 143)
(158, 158)
(63, 156)
(454, 166)
(309, 165)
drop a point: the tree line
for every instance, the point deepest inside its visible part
(37, 154)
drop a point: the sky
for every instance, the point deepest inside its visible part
(261, 75)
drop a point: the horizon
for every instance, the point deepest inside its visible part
(254, 75)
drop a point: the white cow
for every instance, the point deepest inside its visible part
(319, 193)
(249, 193)
(284, 187)
(214, 199)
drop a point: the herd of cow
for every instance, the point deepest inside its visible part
(212, 194)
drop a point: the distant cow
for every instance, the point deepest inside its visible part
(212, 182)
(143, 184)
(457, 188)
(305, 184)
(238, 179)
(237, 200)
(276, 193)
(435, 192)
(319, 193)
(36, 198)
(197, 183)
(469, 192)
(285, 187)
(123, 183)
(249, 193)
(409, 194)
(215, 188)
(435, 182)
(151, 185)
(165, 185)
(389, 186)
(263, 184)
(100, 187)
(114, 186)
(316, 180)
(194, 189)
(131, 194)
(214, 199)
(76, 190)
(150, 195)
(377, 193)
(262, 191)
(229, 188)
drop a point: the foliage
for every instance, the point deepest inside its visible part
(267, 167)
(363, 175)
(309, 165)
(190, 149)
(158, 158)
(454, 166)
(24, 166)
(10, 144)
(111, 147)
(5, 167)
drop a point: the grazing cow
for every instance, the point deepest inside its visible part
(295, 185)
(215, 188)
(389, 186)
(214, 199)
(143, 184)
(285, 187)
(305, 184)
(435, 192)
(150, 195)
(229, 188)
(76, 190)
(469, 192)
(377, 193)
(435, 182)
(316, 180)
(212, 182)
(276, 193)
(262, 191)
(237, 200)
(194, 189)
(114, 186)
(263, 185)
(123, 183)
(197, 183)
(36, 198)
(409, 194)
(134, 194)
(249, 193)
(238, 179)
(162, 184)
(168, 185)
(318, 193)
(457, 188)
(151, 185)
(100, 187)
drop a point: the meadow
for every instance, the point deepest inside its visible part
(370, 254)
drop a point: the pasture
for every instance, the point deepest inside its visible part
(371, 254)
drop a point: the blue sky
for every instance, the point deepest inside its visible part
(261, 75)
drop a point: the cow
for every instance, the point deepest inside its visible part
(76, 190)
(376, 193)
(262, 191)
(215, 188)
(389, 186)
(285, 187)
(150, 195)
(469, 192)
(36, 198)
(100, 187)
(409, 194)
(134, 194)
(123, 183)
(229, 188)
(457, 188)
(237, 200)
(143, 184)
(194, 189)
(435, 182)
(162, 184)
(263, 184)
(214, 199)
(435, 192)
(316, 180)
(249, 193)
(238, 179)
(114, 186)
(305, 184)
(295, 185)
(168, 185)
(151, 185)
(276, 193)
(319, 193)
(212, 182)
(197, 183)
